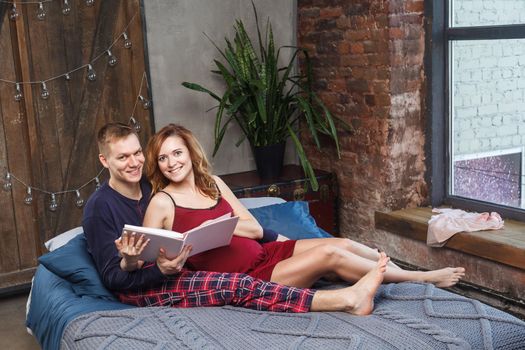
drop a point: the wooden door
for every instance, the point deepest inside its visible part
(50, 144)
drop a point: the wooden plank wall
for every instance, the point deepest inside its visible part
(51, 143)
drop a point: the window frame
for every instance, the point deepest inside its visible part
(438, 36)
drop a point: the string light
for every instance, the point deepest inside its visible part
(135, 124)
(53, 204)
(127, 41)
(18, 93)
(66, 8)
(29, 197)
(41, 12)
(67, 75)
(79, 201)
(132, 121)
(44, 93)
(91, 75)
(90, 2)
(13, 14)
(7, 184)
(112, 60)
(146, 104)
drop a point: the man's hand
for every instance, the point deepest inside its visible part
(130, 248)
(172, 266)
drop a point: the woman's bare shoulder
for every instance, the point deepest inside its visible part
(161, 200)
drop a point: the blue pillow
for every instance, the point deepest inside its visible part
(73, 263)
(290, 219)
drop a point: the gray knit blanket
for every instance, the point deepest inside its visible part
(406, 316)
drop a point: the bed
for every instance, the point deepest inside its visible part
(69, 308)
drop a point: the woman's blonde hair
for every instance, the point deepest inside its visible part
(201, 167)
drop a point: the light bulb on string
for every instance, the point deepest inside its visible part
(41, 12)
(7, 184)
(97, 184)
(79, 202)
(91, 75)
(127, 41)
(146, 104)
(13, 14)
(67, 77)
(135, 124)
(44, 93)
(66, 8)
(53, 205)
(18, 93)
(112, 60)
(90, 2)
(29, 197)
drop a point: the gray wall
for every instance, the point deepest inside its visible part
(178, 51)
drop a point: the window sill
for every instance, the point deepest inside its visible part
(506, 246)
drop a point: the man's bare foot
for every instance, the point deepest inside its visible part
(444, 278)
(360, 296)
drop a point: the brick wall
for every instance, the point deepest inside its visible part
(368, 66)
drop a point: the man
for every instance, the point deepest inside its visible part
(123, 200)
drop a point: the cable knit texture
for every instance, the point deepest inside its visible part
(407, 316)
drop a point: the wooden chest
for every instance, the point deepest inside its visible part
(291, 185)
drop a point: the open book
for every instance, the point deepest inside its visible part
(212, 234)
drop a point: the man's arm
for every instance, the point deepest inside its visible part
(101, 235)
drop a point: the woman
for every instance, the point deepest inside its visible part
(186, 195)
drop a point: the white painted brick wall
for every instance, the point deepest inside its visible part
(488, 91)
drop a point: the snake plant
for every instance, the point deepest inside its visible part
(269, 102)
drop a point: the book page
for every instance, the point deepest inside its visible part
(213, 235)
(171, 241)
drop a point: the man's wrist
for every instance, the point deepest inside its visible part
(269, 236)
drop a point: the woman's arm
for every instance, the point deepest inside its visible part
(247, 225)
(160, 214)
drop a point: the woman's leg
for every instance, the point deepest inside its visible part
(305, 267)
(345, 243)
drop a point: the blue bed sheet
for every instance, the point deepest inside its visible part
(54, 304)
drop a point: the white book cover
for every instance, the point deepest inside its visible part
(212, 234)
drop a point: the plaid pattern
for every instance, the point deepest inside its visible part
(200, 288)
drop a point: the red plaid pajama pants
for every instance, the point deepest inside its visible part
(200, 288)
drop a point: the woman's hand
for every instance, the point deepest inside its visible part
(172, 266)
(130, 248)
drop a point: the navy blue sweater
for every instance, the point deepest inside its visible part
(105, 214)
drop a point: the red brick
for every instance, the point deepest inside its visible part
(415, 6)
(337, 85)
(331, 12)
(357, 48)
(343, 48)
(396, 33)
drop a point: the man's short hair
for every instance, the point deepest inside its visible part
(112, 132)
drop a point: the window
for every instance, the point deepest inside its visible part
(478, 105)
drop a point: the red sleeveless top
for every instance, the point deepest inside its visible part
(242, 255)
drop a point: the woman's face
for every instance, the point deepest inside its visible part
(174, 159)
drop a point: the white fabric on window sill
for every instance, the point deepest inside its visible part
(448, 222)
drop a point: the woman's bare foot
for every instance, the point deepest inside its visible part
(360, 296)
(444, 278)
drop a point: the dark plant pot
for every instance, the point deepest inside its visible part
(269, 160)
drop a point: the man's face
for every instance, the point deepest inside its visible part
(124, 160)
